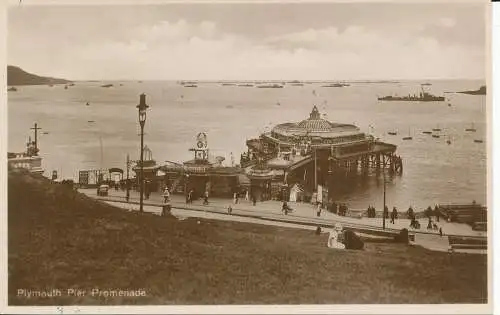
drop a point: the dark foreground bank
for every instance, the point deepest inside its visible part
(66, 249)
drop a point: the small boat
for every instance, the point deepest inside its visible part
(45, 132)
(191, 86)
(51, 85)
(229, 106)
(272, 86)
(471, 129)
(297, 84)
(87, 104)
(427, 132)
(65, 87)
(278, 103)
(12, 89)
(426, 83)
(478, 141)
(121, 84)
(139, 81)
(71, 84)
(409, 137)
(334, 85)
(449, 104)
(91, 121)
(392, 133)
(107, 85)
(436, 136)
(245, 85)
(436, 129)
(448, 141)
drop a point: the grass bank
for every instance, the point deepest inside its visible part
(59, 239)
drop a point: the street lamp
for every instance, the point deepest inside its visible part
(142, 107)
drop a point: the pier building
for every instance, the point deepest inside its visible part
(204, 173)
(312, 153)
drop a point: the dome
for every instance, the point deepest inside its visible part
(315, 126)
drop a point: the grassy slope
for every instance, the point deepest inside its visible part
(60, 239)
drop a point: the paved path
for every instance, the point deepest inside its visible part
(271, 210)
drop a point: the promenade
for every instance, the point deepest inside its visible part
(303, 213)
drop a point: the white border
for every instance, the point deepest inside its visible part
(493, 154)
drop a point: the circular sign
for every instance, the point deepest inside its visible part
(200, 144)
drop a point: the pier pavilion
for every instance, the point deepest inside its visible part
(204, 173)
(312, 152)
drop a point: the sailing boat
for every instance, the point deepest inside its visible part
(472, 129)
(392, 133)
(409, 137)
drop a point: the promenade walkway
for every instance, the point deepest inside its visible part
(303, 213)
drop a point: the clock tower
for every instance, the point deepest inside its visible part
(201, 148)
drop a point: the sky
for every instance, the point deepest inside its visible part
(250, 41)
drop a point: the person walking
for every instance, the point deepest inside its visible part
(394, 215)
(166, 195)
(246, 196)
(318, 210)
(190, 196)
(205, 198)
(235, 198)
(410, 213)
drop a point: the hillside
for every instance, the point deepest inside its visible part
(61, 239)
(17, 76)
(480, 91)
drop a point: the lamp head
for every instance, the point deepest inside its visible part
(142, 107)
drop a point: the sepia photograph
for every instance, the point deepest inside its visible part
(248, 153)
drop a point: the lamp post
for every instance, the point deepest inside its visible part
(142, 107)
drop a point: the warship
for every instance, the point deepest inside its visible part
(422, 97)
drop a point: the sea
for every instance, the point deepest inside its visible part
(77, 137)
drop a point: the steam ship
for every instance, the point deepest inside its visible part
(422, 97)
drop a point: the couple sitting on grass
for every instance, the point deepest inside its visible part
(346, 239)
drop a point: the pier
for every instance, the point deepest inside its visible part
(314, 152)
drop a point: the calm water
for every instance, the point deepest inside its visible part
(434, 172)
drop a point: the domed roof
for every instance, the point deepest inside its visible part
(315, 126)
